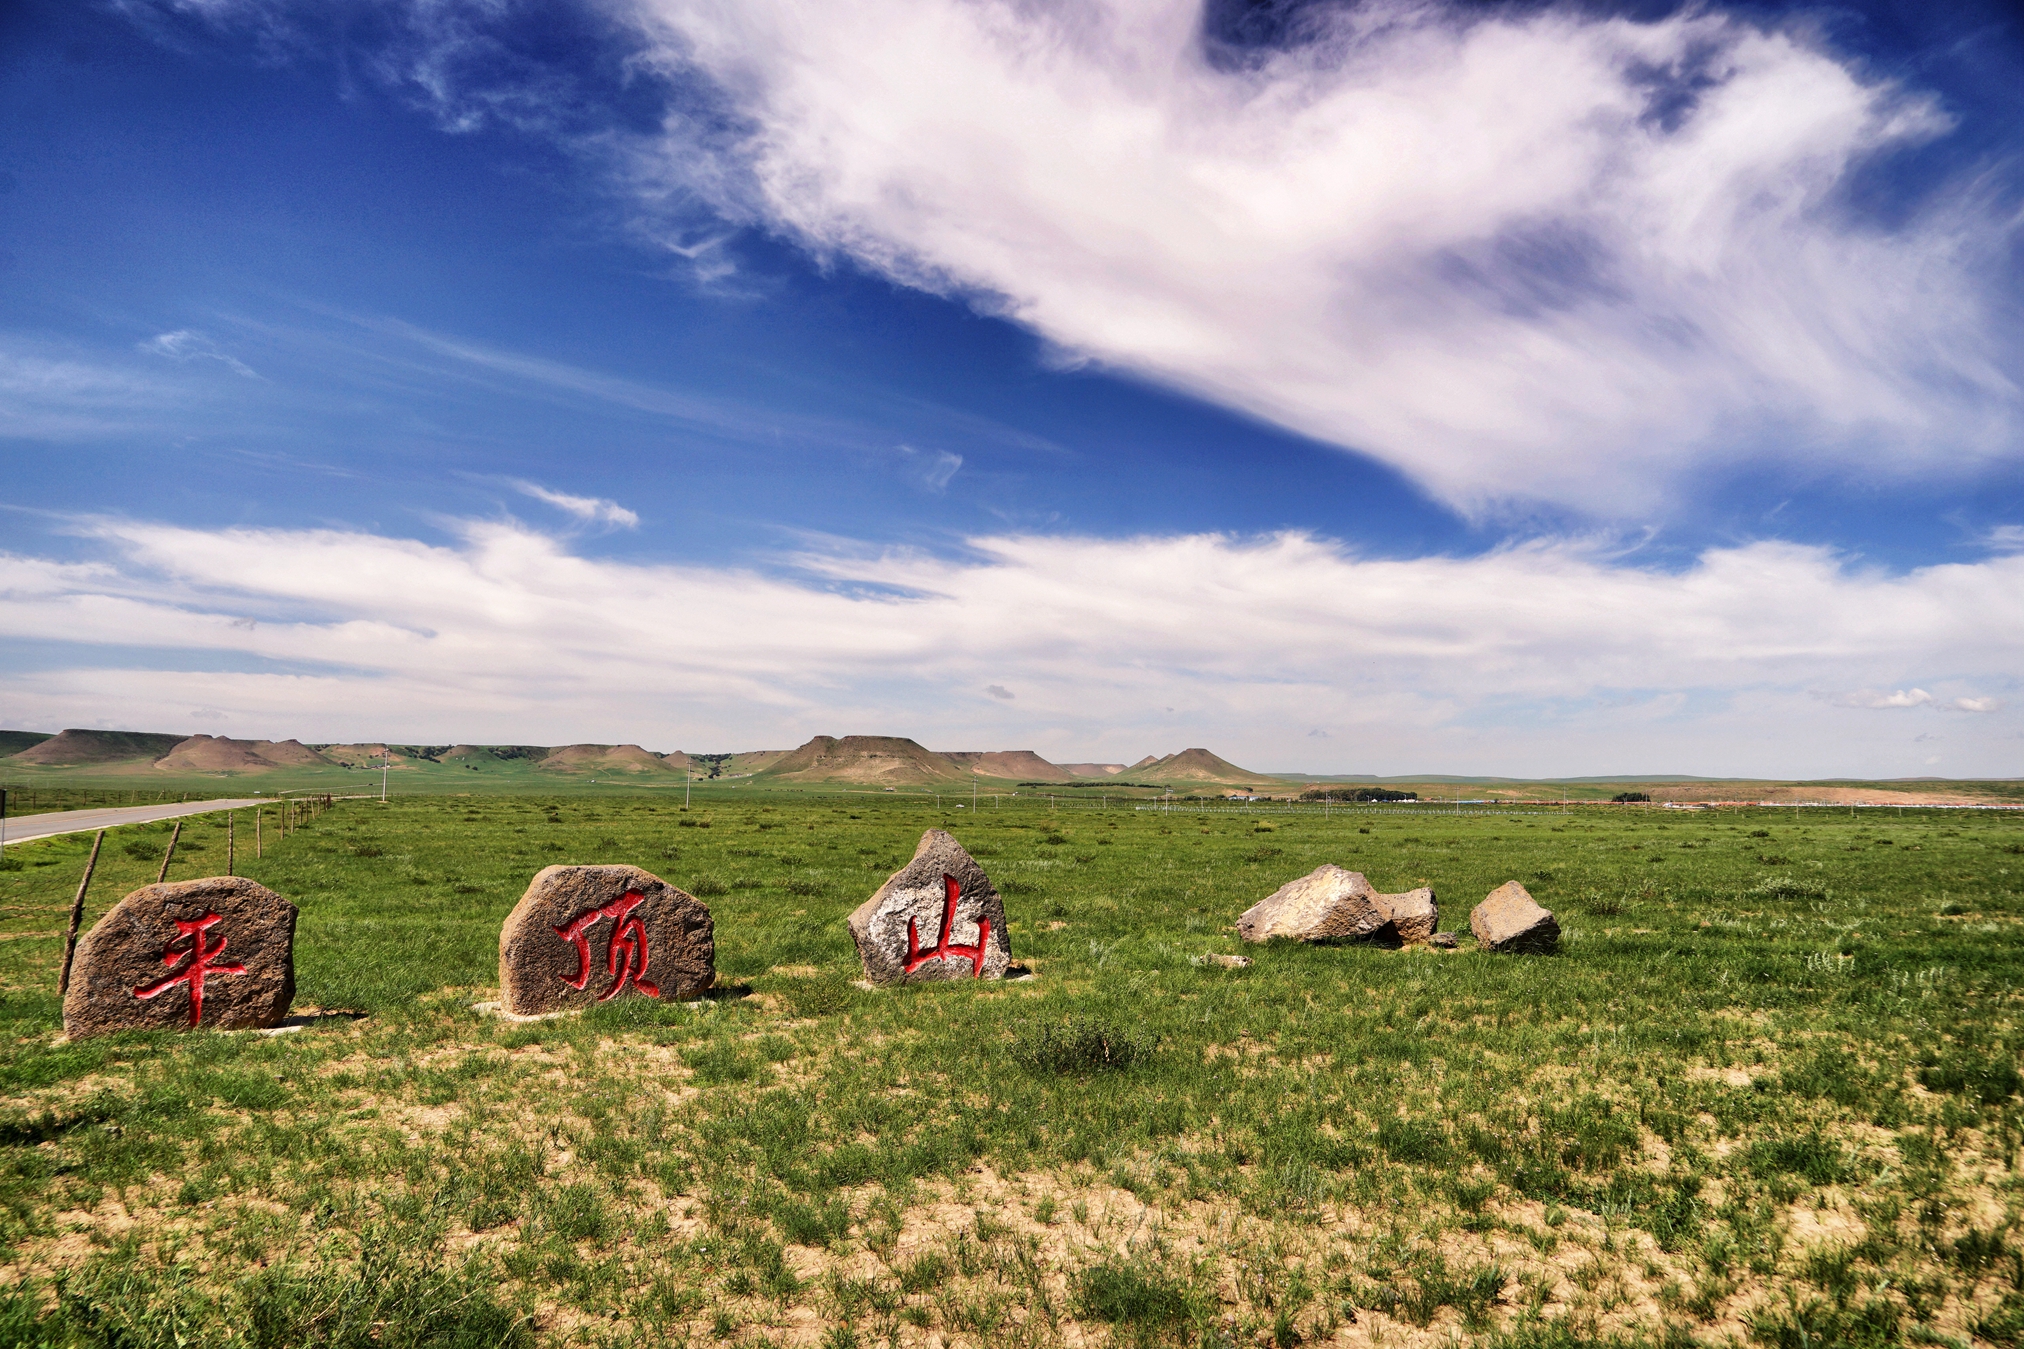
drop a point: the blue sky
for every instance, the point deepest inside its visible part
(1373, 388)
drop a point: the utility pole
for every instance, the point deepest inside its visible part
(688, 776)
(386, 762)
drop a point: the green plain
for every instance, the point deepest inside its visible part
(1767, 1091)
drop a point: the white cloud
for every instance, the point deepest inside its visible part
(1480, 246)
(934, 468)
(590, 510)
(188, 345)
(1880, 701)
(1877, 700)
(2005, 539)
(1550, 657)
(53, 393)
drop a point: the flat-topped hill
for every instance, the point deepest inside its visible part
(221, 754)
(1013, 765)
(880, 760)
(610, 759)
(77, 746)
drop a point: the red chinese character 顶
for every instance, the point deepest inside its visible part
(625, 958)
(199, 968)
(916, 957)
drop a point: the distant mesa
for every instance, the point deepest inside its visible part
(880, 760)
(1014, 765)
(468, 755)
(13, 742)
(74, 747)
(369, 756)
(221, 754)
(606, 759)
(751, 761)
(895, 761)
(872, 760)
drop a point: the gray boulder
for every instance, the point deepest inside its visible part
(1414, 914)
(1510, 920)
(938, 917)
(218, 952)
(585, 935)
(1328, 904)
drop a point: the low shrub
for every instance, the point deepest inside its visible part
(1083, 1045)
(1133, 1296)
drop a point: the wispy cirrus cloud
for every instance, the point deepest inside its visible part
(186, 344)
(1530, 254)
(590, 510)
(1552, 657)
(1533, 253)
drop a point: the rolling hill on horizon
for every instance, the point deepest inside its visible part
(128, 758)
(868, 760)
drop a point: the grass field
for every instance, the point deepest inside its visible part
(1767, 1092)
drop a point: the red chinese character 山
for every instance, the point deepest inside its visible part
(199, 967)
(916, 957)
(625, 958)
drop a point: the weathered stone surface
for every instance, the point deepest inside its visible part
(938, 917)
(1414, 913)
(585, 935)
(1328, 904)
(1509, 919)
(1445, 940)
(218, 952)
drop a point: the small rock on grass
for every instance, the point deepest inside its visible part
(1509, 920)
(1445, 940)
(1414, 913)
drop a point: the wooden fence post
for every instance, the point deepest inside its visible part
(76, 916)
(170, 855)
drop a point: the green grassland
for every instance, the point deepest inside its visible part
(32, 789)
(1767, 1092)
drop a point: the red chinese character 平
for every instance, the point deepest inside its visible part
(626, 956)
(199, 968)
(916, 957)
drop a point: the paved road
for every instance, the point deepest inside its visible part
(21, 828)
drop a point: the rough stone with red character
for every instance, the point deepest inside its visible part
(938, 917)
(585, 935)
(216, 953)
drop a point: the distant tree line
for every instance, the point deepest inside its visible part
(1357, 794)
